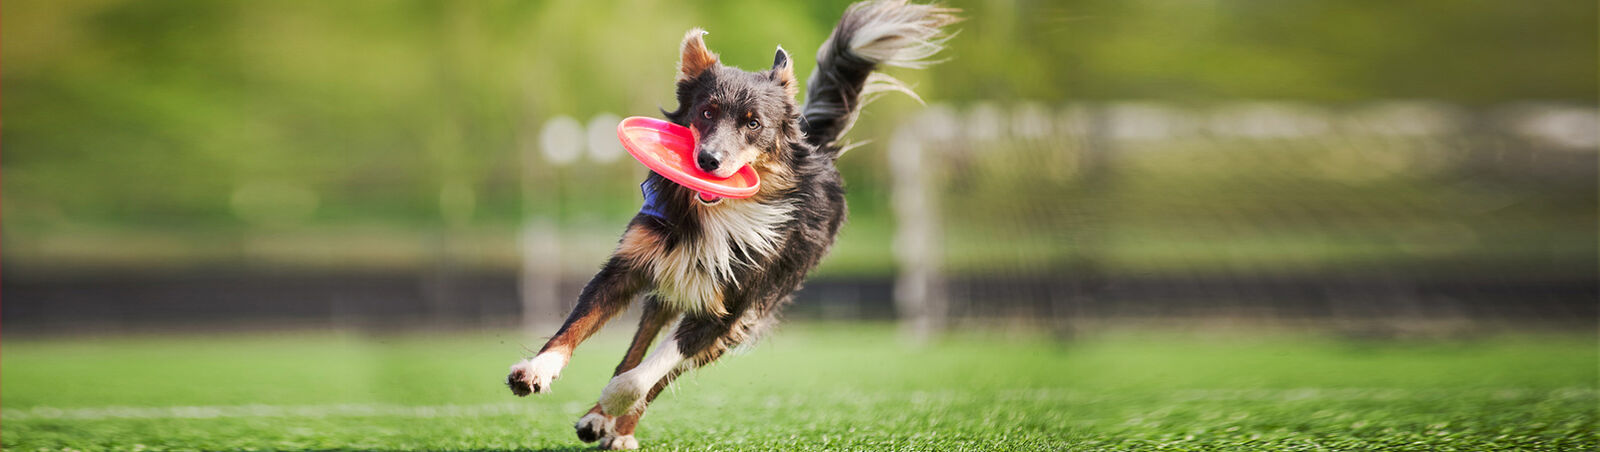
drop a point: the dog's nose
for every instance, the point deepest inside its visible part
(706, 161)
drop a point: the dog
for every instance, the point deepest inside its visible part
(721, 270)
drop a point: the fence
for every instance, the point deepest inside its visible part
(1385, 218)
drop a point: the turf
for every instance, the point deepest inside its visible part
(811, 387)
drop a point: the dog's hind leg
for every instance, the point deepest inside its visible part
(620, 436)
(596, 424)
(629, 393)
(695, 342)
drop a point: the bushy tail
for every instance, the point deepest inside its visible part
(871, 34)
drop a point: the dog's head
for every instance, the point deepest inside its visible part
(741, 117)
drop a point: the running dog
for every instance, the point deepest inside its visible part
(720, 271)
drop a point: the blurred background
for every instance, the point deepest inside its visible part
(1374, 168)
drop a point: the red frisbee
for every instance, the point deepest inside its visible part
(668, 149)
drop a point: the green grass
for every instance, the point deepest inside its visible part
(811, 387)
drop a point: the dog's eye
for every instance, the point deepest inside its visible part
(705, 113)
(753, 124)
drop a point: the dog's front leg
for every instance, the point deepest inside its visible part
(603, 298)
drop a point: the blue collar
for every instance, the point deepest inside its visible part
(652, 200)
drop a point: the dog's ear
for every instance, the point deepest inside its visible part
(694, 59)
(783, 72)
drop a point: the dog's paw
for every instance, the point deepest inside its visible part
(535, 375)
(623, 393)
(593, 426)
(624, 442)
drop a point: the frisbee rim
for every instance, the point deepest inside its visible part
(702, 182)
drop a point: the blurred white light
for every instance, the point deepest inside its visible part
(1269, 120)
(1148, 121)
(562, 140)
(1569, 128)
(985, 123)
(938, 124)
(604, 146)
(1407, 118)
(1031, 120)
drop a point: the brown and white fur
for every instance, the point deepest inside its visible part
(721, 271)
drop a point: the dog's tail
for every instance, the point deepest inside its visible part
(871, 34)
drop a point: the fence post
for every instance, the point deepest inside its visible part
(539, 241)
(1091, 213)
(540, 275)
(918, 295)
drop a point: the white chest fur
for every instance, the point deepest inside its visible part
(691, 276)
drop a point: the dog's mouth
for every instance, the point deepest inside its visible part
(704, 202)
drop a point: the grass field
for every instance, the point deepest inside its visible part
(811, 387)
